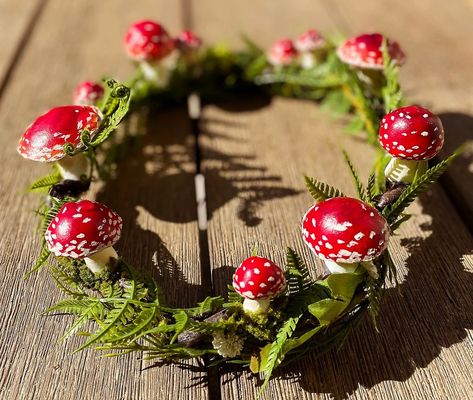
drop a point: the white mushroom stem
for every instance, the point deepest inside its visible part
(259, 306)
(340, 268)
(404, 170)
(307, 60)
(97, 262)
(157, 73)
(73, 167)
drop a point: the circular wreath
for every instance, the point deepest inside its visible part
(270, 316)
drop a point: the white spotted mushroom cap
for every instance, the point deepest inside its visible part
(258, 278)
(411, 133)
(45, 138)
(82, 228)
(365, 51)
(309, 41)
(345, 230)
(148, 40)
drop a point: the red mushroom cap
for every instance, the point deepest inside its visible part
(258, 278)
(411, 133)
(365, 51)
(82, 228)
(188, 40)
(88, 92)
(45, 138)
(283, 52)
(148, 40)
(345, 230)
(310, 41)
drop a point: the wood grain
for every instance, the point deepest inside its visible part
(254, 155)
(75, 41)
(17, 21)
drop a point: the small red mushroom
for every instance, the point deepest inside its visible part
(283, 52)
(85, 230)
(148, 42)
(188, 41)
(88, 93)
(45, 138)
(310, 45)
(365, 51)
(345, 232)
(258, 280)
(411, 135)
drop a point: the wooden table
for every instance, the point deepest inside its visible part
(253, 155)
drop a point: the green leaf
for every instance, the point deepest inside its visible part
(321, 191)
(371, 190)
(182, 319)
(359, 186)
(45, 182)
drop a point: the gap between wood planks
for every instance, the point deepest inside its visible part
(22, 43)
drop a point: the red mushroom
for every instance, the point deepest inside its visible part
(85, 230)
(365, 53)
(45, 138)
(411, 135)
(88, 93)
(345, 232)
(310, 46)
(148, 42)
(282, 53)
(258, 280)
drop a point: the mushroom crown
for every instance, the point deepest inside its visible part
(82, 228)
(411, 133)
(365, 51)
(148, 40)
(188, 40)
(345, 230)
(310, 41)
(88, 92)
(283, 52)
(45, 138)
(258, 278)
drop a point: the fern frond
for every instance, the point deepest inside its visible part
(40, 261)
(298, 276)
(45, 182)
(419, 186)
(182, 320)
(371, 189)
(65, 282)
(276, 352)
(321, 191)
(359, 186)
(391, 92)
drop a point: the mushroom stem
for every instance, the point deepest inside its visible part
(256, 306)
(404, 170)
(155, 73)
(340, 268)
(97, 262)
(73, 167)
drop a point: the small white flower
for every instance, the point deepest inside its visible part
(227, 345)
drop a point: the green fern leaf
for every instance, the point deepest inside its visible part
(134, 327)
(46, 182)
(321, 191)
(40, 262)
(182, 320)
(65, 282)
(371, 189)
(298, 276)
(420, 185)
(359, 186)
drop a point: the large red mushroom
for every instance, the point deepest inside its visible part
(85, 230)
(258, 280)
(412, 135)
(345, 233)
(148, 42)
(45, 138)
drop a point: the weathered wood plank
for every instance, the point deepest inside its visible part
(17, 19)
(76, 41)
(254, 159)
(436, 36)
